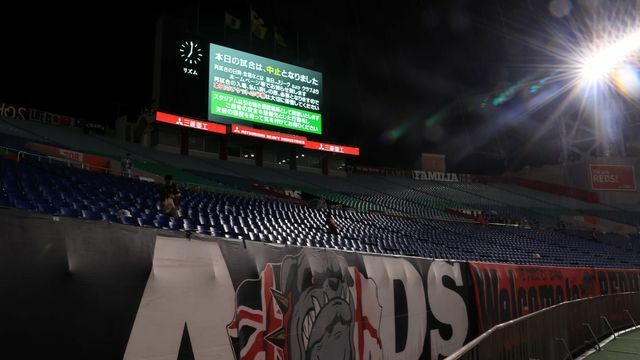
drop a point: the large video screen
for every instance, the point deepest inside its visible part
(245, 88)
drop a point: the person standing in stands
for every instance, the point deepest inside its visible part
(170, 196)
(332, 227)
(126, 165)
(594, 235)
(482, 220)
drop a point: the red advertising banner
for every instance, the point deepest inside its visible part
(433, 162)
(289, 194)
(191, 123)
(612, 177)
(505, 292)
(94, 162)
(268, 135)
(339, 149)
(45, 117)
(582, 195)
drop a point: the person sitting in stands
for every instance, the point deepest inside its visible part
(170, 196)
(332, 227)
(126, 165)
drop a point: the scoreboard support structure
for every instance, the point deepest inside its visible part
(223, 148)
(184, 142)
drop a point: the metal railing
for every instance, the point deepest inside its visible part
(22, 154)
(557, 332)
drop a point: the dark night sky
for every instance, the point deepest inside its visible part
(387, 65)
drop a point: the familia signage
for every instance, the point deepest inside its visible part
(440, 176)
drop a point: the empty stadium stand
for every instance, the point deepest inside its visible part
(388, 215)
(66, 191)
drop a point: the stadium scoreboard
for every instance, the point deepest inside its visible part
(205, 86)
(246, 88)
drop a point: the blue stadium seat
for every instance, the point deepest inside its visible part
(128, 220)
(161, 222)
(70, 212)
(424, 229)
(46, 208)
(203, 229)
(146, 222)
(109, 217)
(188, 225)
(23, 204)
(90, 215)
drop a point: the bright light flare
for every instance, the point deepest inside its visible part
(627, 80)
(586, 58)
(604, 61)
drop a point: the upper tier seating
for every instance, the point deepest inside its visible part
(367, 193)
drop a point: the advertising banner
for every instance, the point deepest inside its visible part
(268, 135)
(292, 195)
(136, 293)
(94, 162)
(338, 149)
(504, 292)
(45, 117)
(612, 177)
(190, 123)
(434, 162)
(441, 176)
(269, 302)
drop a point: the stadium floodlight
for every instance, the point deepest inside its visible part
(604, 60)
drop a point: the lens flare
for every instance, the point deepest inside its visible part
(599, 65)
(583, 65)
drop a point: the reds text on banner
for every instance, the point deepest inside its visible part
(268, 302)
(612, 177)
(220, 300)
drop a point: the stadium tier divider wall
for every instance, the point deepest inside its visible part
(96, 290)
